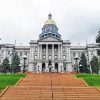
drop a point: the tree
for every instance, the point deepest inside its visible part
(15, 63)
(5, 65)
(98, 38)
(83, 64)
(1, 67)
(95, 64)
(98, 41)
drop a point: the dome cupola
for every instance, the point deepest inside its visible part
(49, 21)
(50, 29)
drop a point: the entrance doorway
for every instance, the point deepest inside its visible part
(50, 66)
(43, 67)
(64, 66)
(56, 67)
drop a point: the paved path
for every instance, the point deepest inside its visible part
(52, 86)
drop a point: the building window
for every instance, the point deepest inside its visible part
(91, 52)
(53, 34)
(49, 50)
(2, 51)
(20, 54)
(63, 49)
(42, 36)
(74, 54)
(43, 49)
(55, 49)
(35, 57)
(79, 54)
(98, 52)
(8, 52)
(45, 34)
(26, 53)
(64, 57)
(44, 56)
(49, 57)
(55, 56)
(36, 49)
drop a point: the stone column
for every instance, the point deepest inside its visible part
(52, 52)
(58, 51)
(61, 51)
(69, 64)
(41, 52)
(46, 52)
(67, 53)
(30, 68)
(53, 66)
(39, 67)
(38, 52)
(60, 69)
(69, 67)
(30, 54)
(46, 67)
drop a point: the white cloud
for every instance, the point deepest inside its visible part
(22, 20)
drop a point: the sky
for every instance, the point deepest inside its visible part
(22, 20)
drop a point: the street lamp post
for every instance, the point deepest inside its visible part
(20, 67)
(38, 68)
(76, 59)
(61, 68)
(24, 58)
(80, 66)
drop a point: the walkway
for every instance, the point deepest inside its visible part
(53, 86)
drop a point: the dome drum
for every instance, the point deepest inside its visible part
(44, 35)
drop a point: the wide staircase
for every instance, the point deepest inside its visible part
(51, 86)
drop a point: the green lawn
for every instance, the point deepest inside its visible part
(90, 79)
(9, 79)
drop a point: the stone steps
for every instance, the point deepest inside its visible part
(53, 93)
(51, 87)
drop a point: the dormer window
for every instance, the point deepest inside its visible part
(42, 36)
(45, 34)
(53, 34)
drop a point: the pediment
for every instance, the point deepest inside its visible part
(50, 39)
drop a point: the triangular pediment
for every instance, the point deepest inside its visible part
(50, 39)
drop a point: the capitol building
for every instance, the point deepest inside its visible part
(50, 53)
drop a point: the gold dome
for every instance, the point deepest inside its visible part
(50, 21)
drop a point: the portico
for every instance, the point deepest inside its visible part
(49, 56)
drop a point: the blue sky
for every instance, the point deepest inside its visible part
(22, 20)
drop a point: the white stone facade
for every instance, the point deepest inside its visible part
(49, 52)
(42, 52)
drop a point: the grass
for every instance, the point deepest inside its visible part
(90, 79)
(9, 79)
